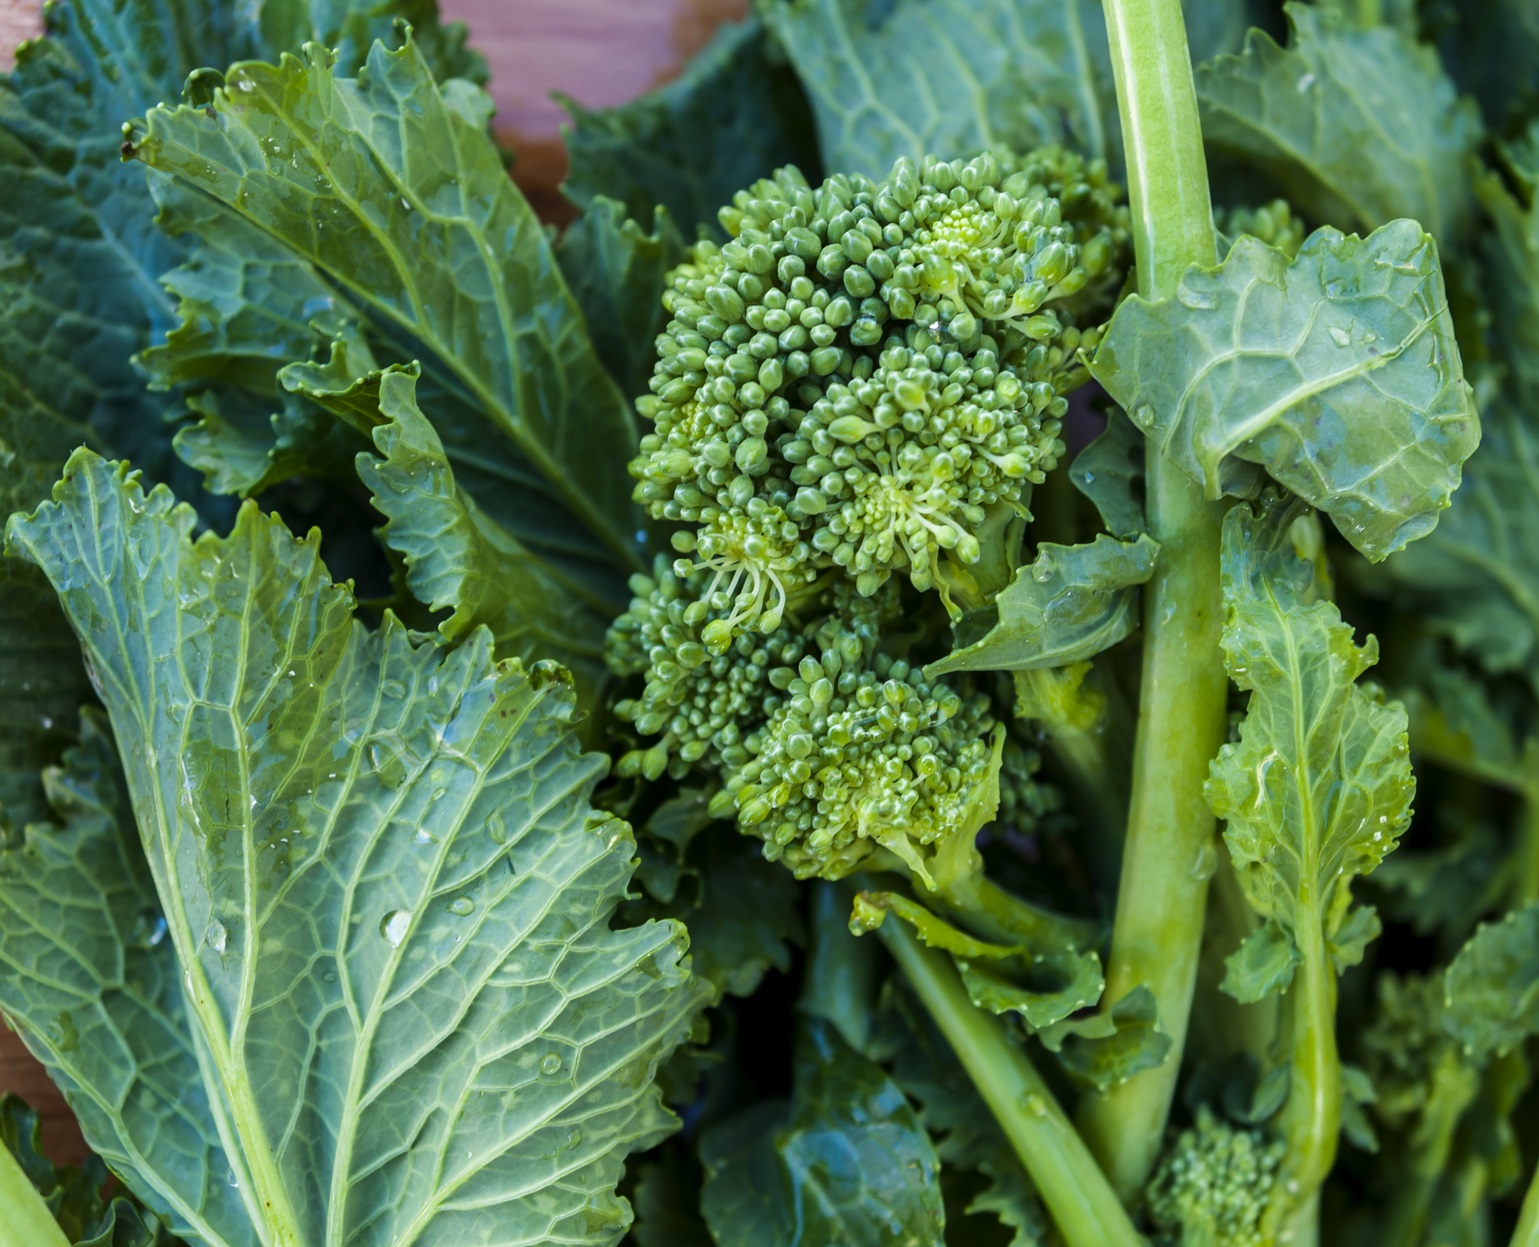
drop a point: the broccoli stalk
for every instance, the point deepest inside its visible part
(1076, 1192)
(1157, 936)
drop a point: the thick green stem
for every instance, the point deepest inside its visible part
(1527, 1233)
(1081, 1202)
(24, 1218)
(1169, 852)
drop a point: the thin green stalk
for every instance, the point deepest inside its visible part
(1081, 1202)
(1454, 1087)
(1527, 1232)
(24, 1218)
(1311, 1122)
(1005, 918)
(1169, 851)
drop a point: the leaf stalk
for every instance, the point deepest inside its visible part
(1170, 849)
(1077, 1194)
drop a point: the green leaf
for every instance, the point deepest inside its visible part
(1262, 966)
(1511, 256)
(406, 836)
(400, 201)
(847, 1162)
(1110, 472)
(1492, 51)
(74, 1194)
(1318, 787)
(1493, 986)
(1069, 605)
(666, 1197)
(617, 274)
(1106, 1049)
(1475, 580)
(1042, 984)
(1337, 372)
(458, 558)
(93, 987)
(734, 116)
(949, 78)
(1357, 127)
(42, 684)
(745, 918)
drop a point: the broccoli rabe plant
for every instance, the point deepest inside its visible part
(949, 657)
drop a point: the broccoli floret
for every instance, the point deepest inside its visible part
(828, 749)
(867, 366)
(1273, 223)
(1404, 1044)
(1213, 1185)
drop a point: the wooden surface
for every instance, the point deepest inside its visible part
(599, 52)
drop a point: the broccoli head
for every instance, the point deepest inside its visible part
(1213, 1185)
(866, 367)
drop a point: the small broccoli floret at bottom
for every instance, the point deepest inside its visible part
(826, 747)
(1213, 1185)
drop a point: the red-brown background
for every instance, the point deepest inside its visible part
(600, 52)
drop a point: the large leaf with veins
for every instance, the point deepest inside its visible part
(386, 887)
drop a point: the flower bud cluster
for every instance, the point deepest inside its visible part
(866, 366)
(827, 747)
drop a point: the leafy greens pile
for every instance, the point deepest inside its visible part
(956, 660)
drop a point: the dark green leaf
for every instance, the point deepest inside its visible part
(1357, 127)
(1262, 966)
(1493, 985)
(949, 78)
(406, 835)
(458, 558)
(667, 1198)
(1476, 578)
(1072, 603)
(736, 115)
(848, 1163)
(617, 273)
(74, 1194)
(1337, 372)
(401, 203)
(746, 918)
(1110, 472)
(745, 1200)
(1492, 51)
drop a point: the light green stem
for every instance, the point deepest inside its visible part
(1311, 1122)
(1169, 851)
(1527, 1233)
(24, 1218)
(1081, 1202)
(1005, 918)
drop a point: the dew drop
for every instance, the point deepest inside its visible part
(424, 836)
(462, 906)
(216, 936)
(148, 930)
(497, 829)
(394, 926)
(550, 1064)
(1340, 336)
